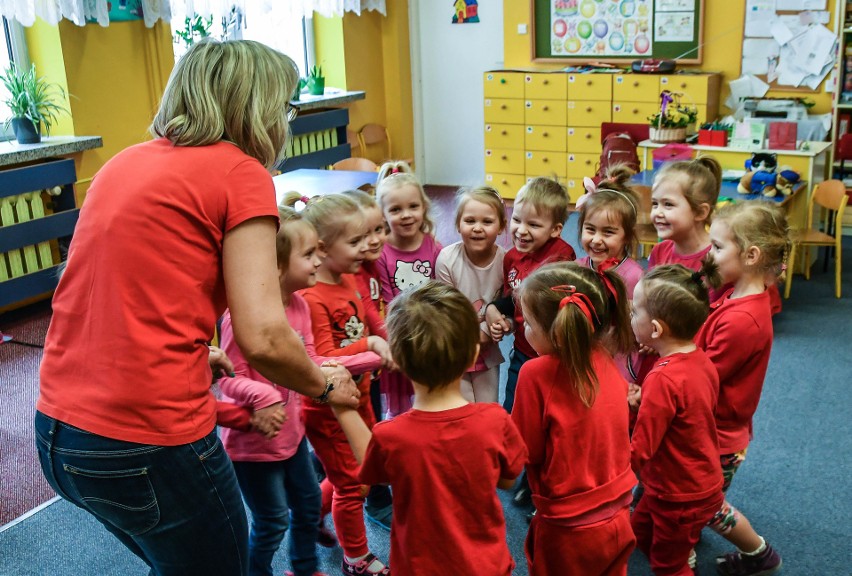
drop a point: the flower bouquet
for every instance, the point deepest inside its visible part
(671, 122)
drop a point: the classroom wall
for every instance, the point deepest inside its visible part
(448, 61)
(723, 33)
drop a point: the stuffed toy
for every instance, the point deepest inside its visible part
(760, 173)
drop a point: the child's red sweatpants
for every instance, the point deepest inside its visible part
(667, 531)
(599, 549)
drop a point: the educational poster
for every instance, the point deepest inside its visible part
(602, 28)
(465, 12)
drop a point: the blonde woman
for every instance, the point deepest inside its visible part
(172, 228)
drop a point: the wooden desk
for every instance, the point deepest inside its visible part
(729, 190)
(310, 182)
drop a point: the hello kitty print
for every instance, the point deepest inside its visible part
(401, 270)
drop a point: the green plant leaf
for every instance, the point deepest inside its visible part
(32, 97)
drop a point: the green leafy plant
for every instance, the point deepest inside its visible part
(676, 116)
(32, 97)
(315, 72)
(194, 28)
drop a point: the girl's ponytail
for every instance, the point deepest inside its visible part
(575, 355)
(709, 272)
(621, 339)
(290, 199)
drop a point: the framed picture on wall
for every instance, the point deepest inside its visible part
(617, 31)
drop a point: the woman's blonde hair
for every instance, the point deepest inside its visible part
(571, 333)
(237, 91)
(699, 180)
(485, 194)
(764, 225)
(395, 175)
(291, 223)
(330, 215)
(618, 199)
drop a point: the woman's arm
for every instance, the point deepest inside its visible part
(257, 314)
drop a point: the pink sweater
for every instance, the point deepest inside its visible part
(250, 388)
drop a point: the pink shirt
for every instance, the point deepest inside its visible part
(629, 270)
(250, 388)
(403, 269)
(665, 253)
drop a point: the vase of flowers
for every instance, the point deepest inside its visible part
(671, 123)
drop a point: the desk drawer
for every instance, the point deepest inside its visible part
(509, 136)
(548, 164)
(504, 160)
(588, 112)
(550, 138)
(504, 111)
(508, 185)
(504, 85)
(545, 86)
(581, 164)
(584, 139)
(694, 88)
(636, 88)
(589, 87)
(633, 112)
(549, 112)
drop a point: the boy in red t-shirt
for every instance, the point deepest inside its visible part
(444, 457)
(674, 445)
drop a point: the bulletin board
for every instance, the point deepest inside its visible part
(616, 31)
(761, 50)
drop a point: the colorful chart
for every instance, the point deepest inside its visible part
(597, 28)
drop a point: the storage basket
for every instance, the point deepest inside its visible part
(667, 134)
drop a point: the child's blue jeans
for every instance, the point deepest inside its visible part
(516, 360)
(176, 507)
(281, 494)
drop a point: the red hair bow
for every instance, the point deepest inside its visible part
(579, 300)
(608, 264)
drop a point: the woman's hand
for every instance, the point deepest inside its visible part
(345, 392)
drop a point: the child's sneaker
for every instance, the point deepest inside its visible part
(363, 566)
(290, 573)
(738, 564)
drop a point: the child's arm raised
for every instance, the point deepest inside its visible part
(356, 431)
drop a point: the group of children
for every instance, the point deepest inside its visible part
(614, 374)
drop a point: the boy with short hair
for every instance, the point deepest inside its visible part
(444, 457)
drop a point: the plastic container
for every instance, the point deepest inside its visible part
(672, 153)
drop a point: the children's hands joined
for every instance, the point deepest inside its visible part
(498, 324)
(268, 421)
(345, 392)
(634, 396)
(219, 362)
(378, 345)
(646, 350)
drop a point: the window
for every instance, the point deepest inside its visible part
(12, 48)
(274, 25)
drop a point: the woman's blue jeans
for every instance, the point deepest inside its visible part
(176, 507)
(282, 493)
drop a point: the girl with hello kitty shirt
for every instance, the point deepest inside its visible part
(409, 256)
(475, 266)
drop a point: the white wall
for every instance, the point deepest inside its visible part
(447, 62)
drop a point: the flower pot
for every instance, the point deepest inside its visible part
(25, 131)
(668, 134)
(316, 86)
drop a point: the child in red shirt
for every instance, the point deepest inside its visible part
(674, 445)
(445, 456)
(342, 327)
(571, 412)
(749, 243)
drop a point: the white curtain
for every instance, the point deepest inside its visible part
(78, 11)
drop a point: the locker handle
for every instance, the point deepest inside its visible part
(546, 82)
(503, 133)
(683, 85)
(588, 136)
(545, 134)
(589, 82)
(545, 108)
(502, 106)
(505, 182)
(545, 160)
(636, 110)
(504, 157)
(635, 84)
(588, 108)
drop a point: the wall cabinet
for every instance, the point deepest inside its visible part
(549, 123)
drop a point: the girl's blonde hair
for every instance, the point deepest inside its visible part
(237, 91)
(761, 224)
(485, 194)
(395, 175)
(614, 196)
(330, 215)
(291, 223)
(571, 333)
(547, 196)
(699, 180)
(679, 296)
(364, 200)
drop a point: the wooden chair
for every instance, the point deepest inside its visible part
(354, 143)
(646, 234)
(377, 136)
(355, 164)
(829, 195)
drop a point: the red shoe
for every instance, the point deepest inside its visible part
(363, 566)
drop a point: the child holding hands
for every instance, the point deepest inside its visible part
(444, 457)
(674, 444)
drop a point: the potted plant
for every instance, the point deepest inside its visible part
(31, 100)
(316, 81)
(671, 122)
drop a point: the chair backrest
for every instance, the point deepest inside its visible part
(356, 164)
(354, 143)
(644, 194)
(375, 135)
(831, 195)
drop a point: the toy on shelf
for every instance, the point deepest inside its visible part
(763, 176)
